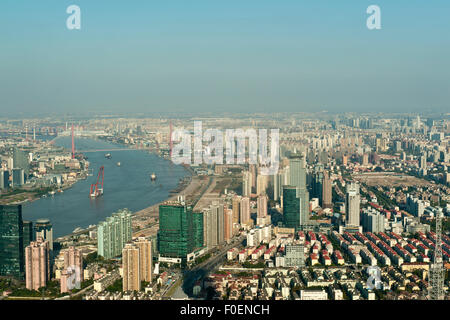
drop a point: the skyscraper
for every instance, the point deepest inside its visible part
(236, 208)
(74, 258)
(18, 177)
(198, 229)
(131, 274)
(113, 234)
(20, 160)
(43, 229)
(245, 210)
(261, 184)
(214, 225)
(228, 224)
(327, 196)
(11, 241)
(352, 204)
(28, 234)
(176, 231)
(262, 206)
(291, 207)
(254, 174)
(4, 180)
(145, 258)
(246, 184)
(37, 264)
(277, 185)
(72, 274)
(297, 172)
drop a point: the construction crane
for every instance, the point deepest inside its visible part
(436, 275)
(97, 189)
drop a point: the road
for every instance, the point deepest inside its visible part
(204, 269)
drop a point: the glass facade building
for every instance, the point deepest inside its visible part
(28, 234)
(198, 229)
(113, 234)
(291, 207)
(11, 241)
(44, 229)
(20, 160)
(180, 230)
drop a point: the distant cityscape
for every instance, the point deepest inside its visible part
(357, 210)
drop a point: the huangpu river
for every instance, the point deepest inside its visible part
(125, 186)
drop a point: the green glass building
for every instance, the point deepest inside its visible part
(180, 230)
(20, 160)
(11, 241)
(27, 233)
(198, 229)
(291, 207)
(113, 234)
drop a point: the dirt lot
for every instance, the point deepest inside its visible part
(389, 179)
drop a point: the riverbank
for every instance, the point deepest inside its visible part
(126, 186)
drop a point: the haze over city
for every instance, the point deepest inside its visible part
(203, 56)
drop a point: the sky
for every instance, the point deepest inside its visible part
(184, 56)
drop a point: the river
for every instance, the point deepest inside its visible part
(128, 186)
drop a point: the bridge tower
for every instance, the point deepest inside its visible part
(73, 145)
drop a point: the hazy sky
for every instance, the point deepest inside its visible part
(224, 55)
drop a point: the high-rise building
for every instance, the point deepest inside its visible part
(372, 221)
(176, 236)
(72, 275)
(291, 207)
(145, 258)
(297, 171)
(218, 208)
(43, 229)
(28, 234)
(262, 183)
(246, 184)
(254, 174)
(113, 234)
(236, 208)
(327, 196)
(37, 264)
(11, 241)
(73, 258)
(18, 177)
(245, 210)
(4, 180)
(21, 160)
(277, 185)
(198, 229)
(352, 204)
(213, 223)
(298, 180)
(262, 206)
(131, 274)
(228, 224)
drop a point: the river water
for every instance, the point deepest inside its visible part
(128, 186)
